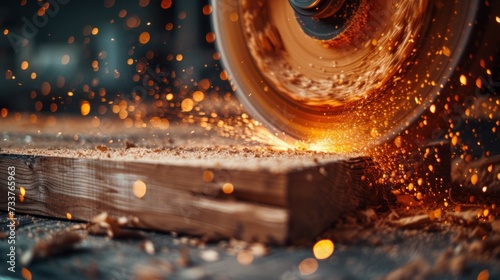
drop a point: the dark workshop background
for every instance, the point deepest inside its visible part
(175, 28)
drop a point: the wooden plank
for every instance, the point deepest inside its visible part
(278, 197)
(318, 196)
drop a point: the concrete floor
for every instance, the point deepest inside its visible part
(98, 257)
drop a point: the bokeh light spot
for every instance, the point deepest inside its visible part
(165, 4)
(85, 108)
(308, 266)
(323, 249)
(228, 188)
(144, 38)
(139, 189)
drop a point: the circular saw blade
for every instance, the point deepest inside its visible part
(346, 94)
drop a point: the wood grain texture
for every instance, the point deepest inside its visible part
(291, 203)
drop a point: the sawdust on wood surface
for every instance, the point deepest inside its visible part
(223, 157)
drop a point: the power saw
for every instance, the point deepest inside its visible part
(344, 75)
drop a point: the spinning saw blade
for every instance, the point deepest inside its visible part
(342, 74)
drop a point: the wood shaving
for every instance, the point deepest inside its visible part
(480, 231)
(209, 255)
(184, 259)
(155, 269)
(449, 262)
(56, 244)
(148, 247)
(469, 216)
(104, 224)
(487, 248)
(129, 144)
(258, 249)
(495, 226)
(413, 222)
(416, 269)
(102, 148)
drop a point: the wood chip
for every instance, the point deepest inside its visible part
(101, 228)
(449, 262)
(102, 148)
(79, 227)
(457, 264)
(152, 270)
(103, 224)
(413, 222)
(495, 226)
(129, 144)
(258, 249)
(56, 244)
(416, 269)
(469, 216)
(480, 231)
(209, 255)
(370, 214)
(487, 249)
(184, 259)
(122, 221)
(148, 247)
(99, 218)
